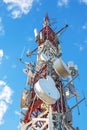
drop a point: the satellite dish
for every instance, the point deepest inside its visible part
(61, 68)
(46, 90)
(73, 68)
(24, 99)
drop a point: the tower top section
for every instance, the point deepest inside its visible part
(46, 20)
(47, 33)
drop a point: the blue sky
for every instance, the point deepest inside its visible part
(18, 18)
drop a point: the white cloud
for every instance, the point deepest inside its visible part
(2, 31)
(63, 2)
(19, 7)
(81, 47)
(30, 39)
(5, 99)
(2, 83)
(3, 109)
(83, 1)
(17, 113)
(84, 26)
(6, 94)
(1, 55)
(66, 2)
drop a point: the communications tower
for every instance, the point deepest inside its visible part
(45, 104)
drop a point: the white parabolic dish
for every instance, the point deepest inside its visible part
(61, 68)
(46, 90)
